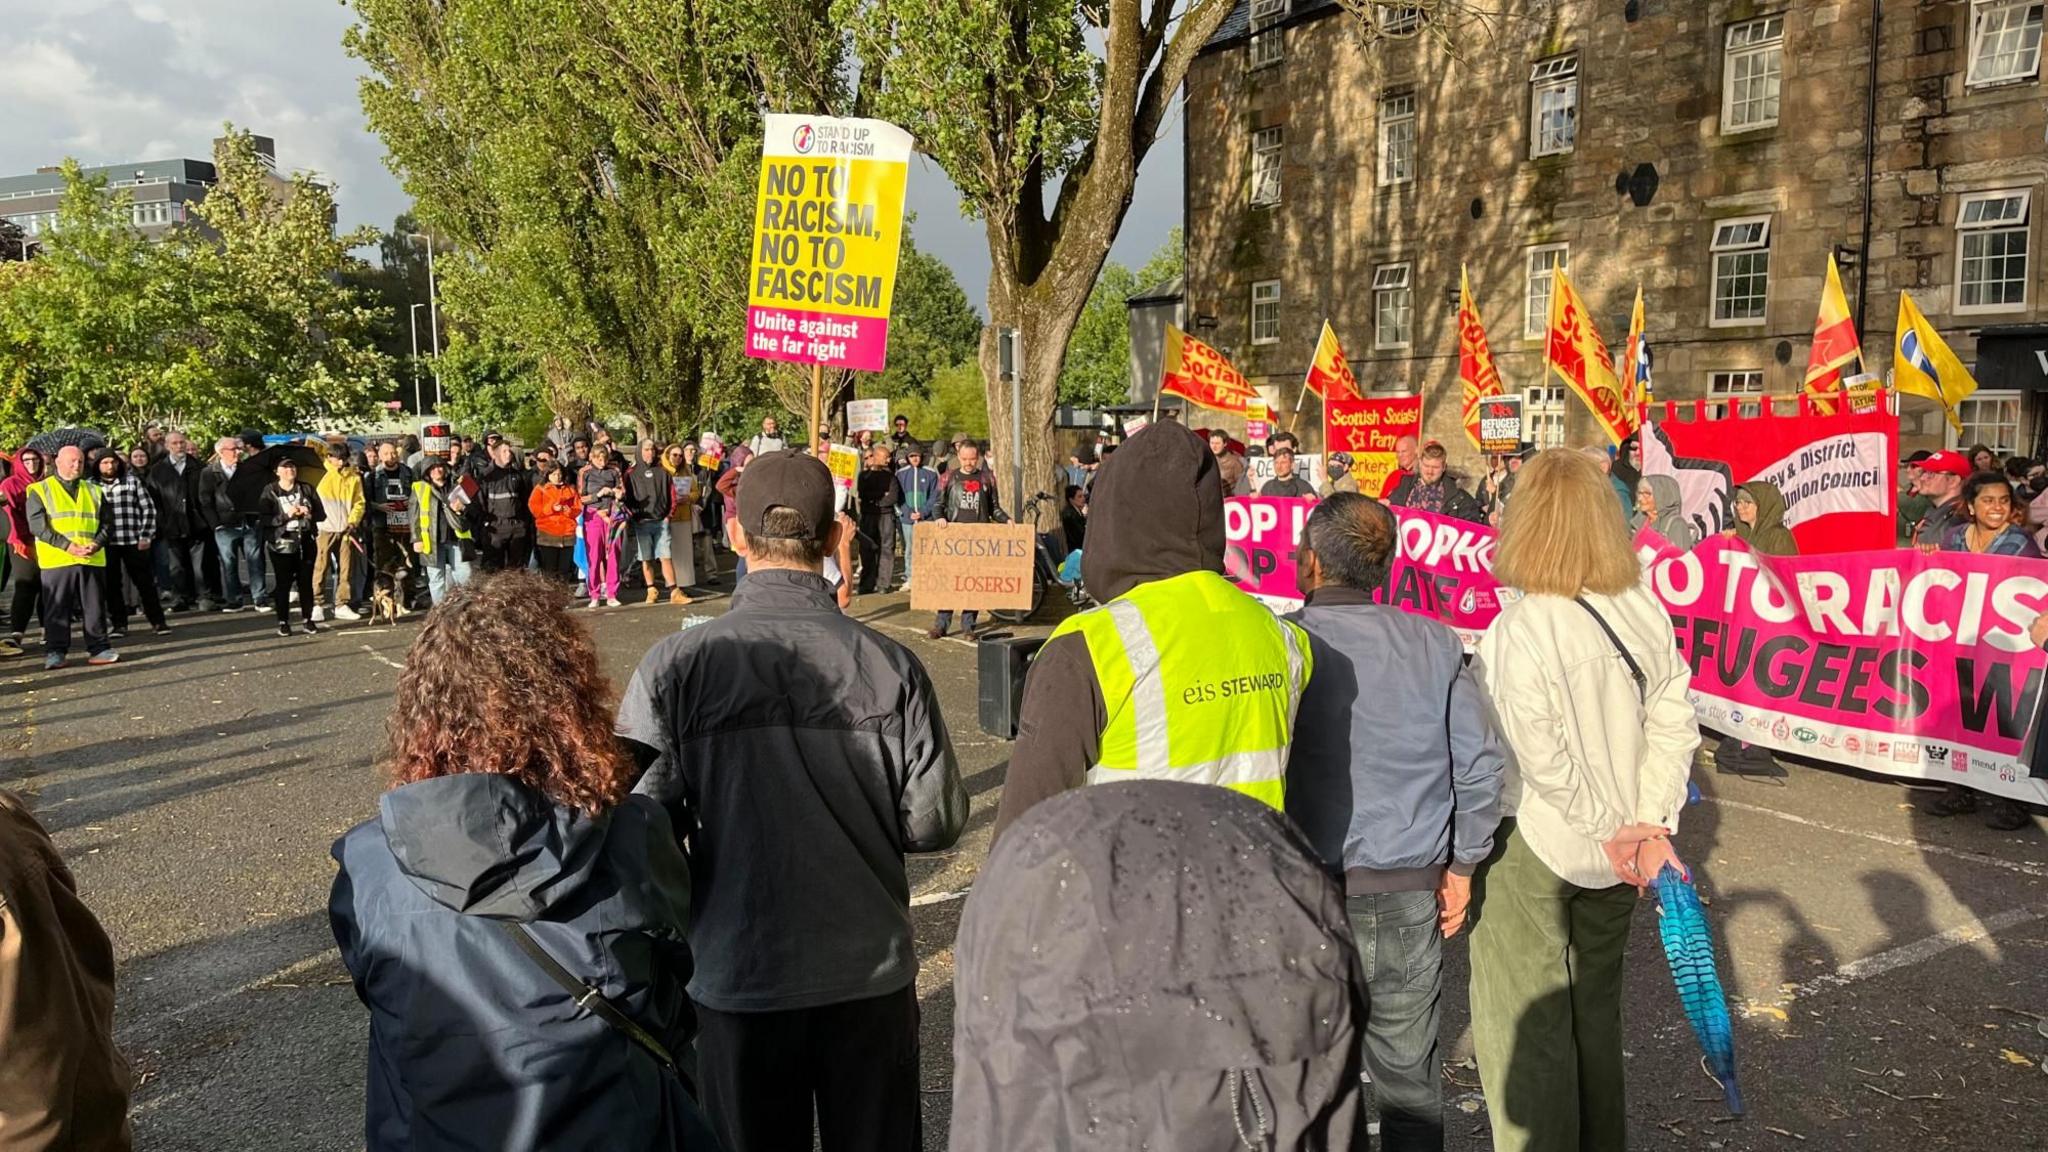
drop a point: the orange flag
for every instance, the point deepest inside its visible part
(1329, 376)
(1475, 360)
(1580, 358)
(1198, 373)
(1834, 343)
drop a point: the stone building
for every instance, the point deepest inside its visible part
(1712, 151)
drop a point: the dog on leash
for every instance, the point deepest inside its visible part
(385, 605)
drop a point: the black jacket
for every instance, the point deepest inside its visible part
(178, 509)
(971, 497)
(1456, 501)
(472, 1045)
(501, 505)
(215, 509)
(879, 492)
(802, 754)
(649, 494)
(383, 486)
(274, 520)
(1144, 960)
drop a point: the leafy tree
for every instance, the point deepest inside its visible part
(490, 384)
(1098, 369)
(953, 406)
(931, 325)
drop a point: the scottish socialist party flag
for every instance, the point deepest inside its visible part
(1639, 358)
(1923, 365)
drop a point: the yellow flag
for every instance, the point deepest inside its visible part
(1923, 365)
(1834, 343)
(1580, 358)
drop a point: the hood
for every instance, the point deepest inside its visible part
(1669, 499)
(1770, 508)
(488, 845)
(1134, 956)
(1157, 506)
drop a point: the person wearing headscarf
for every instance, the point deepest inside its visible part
(1660, 508)
(1759, 523)
(1156, 964)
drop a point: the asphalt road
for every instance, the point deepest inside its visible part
(1889, 969)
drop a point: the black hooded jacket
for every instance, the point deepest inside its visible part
(1156, 965)
(1155, 512)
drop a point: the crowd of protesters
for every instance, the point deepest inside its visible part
(680, 918)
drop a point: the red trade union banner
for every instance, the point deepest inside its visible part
(1329, 374)
(1367, 429)
(1198, 373)
(1580, 358)
(1836, 472)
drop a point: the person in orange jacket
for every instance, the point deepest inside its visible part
(556, 511)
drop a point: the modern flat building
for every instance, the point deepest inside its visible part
(1714, 152)
(161, 192)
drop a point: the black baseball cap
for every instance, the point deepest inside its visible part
(786, 479)
(1919, 457)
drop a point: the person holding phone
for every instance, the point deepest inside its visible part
(290, 514)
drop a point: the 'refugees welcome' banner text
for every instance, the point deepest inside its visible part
(1895, 661)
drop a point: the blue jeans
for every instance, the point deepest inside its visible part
(239, 545)
(904, 524)
(445, 569)
(1401, 950)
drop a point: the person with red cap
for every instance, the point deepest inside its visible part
(1941, 481)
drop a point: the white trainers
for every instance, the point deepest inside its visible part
(613, 602)
(319, 614)
(344, 612)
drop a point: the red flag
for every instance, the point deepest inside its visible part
(1329, 376)
(1834, 343)
(1198, 373)
(1476, 370)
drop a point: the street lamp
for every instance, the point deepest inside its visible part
(433, 313)
(414, 316)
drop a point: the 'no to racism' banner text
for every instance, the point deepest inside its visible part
(828, 221)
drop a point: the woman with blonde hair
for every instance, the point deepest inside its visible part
(1591, 695)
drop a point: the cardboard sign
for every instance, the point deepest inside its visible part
(1259, 469)
(828, 221)
(867, 416)
(979, 566)
(1367, 429)
(1500, 425)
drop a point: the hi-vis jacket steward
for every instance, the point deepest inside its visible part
(1180, 676)
(70, 515)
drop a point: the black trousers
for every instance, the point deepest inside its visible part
(557, 560)
(28, 589)
(762, 1074)
(509, 556)
(65, 591)
(877, 552)
(186, 559)
(291, 570)
(141, 568)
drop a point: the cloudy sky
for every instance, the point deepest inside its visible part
(114, 81)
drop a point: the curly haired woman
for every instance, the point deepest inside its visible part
(507, 863)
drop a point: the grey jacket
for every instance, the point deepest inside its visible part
(800, 754)
(1155, 964)
(1397, 763)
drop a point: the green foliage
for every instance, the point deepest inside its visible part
(1098, 367)
(488, 384)
(954, 405)
(249, 325)
(931, 326)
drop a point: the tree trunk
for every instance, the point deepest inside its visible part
(1046, 318)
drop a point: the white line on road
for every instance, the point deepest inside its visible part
(374, 655)
(1907, 955)
(292, 969)
(937, 898)
(2024, 867)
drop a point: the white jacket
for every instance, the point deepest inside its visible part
(1586, 755)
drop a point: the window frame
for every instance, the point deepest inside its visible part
(1535, 329)
(1274, 154)
(1382, 139)
(1731, 53)
(1545, 406)
(1718, 250)
(1979, 10)
(1405, 271)
(1555, 73)
(1727, 395)
(1405, 20)
(2022, 228)
(1972, 430)
(1252, 317)
(1267, 45)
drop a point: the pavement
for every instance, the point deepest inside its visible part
(1889, 970)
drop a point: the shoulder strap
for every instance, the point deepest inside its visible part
(586, 996)
(1634, 670)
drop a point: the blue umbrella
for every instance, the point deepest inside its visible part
(1689, 949)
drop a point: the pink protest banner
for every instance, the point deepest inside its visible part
(1895, 662)
(1443, 568)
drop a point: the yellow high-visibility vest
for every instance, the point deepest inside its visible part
(1200, 682)
(73, 517)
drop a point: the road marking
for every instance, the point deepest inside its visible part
(292, 969)
(374, 655)
(2023, 867)
(931, 898)
(1904, 956)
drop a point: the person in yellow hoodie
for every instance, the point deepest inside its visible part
(341, 497)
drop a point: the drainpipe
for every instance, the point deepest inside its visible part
(1869, 168)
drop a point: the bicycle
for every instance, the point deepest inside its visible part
(1045, 568)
